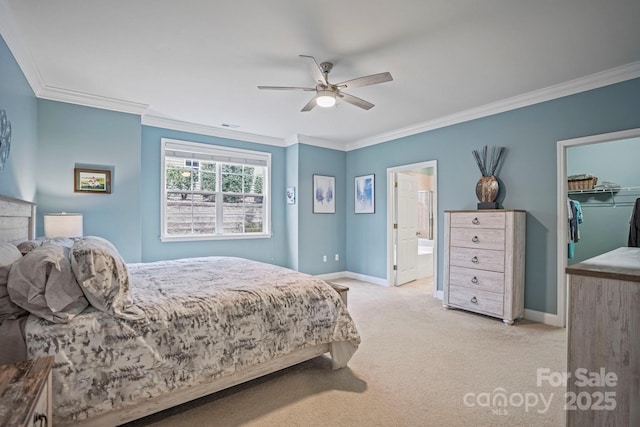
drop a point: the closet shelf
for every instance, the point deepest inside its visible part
(617, 190)
(612, 197)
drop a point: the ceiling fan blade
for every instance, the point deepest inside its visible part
(316, 72)
(366, 80)
(354, 100)
(309, 105)
(286, 88)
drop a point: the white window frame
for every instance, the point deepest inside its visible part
(218, 151)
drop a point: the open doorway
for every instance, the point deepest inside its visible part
(563, 194)
(412, 223)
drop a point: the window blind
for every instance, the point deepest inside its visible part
(215, 153)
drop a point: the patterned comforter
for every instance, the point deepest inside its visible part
(204, 318)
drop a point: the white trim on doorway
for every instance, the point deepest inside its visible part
(390, 220)
(562, 209)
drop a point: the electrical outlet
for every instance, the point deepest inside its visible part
(337, 257)
(324, 258)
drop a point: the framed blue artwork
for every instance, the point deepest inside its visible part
(365, 193)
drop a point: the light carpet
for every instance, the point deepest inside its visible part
(418, 365)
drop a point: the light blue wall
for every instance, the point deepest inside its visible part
(272, 250)
(18, 178)
(71, 135)
(321, 234)
(528, 174)
(292, 155)
(605, 226)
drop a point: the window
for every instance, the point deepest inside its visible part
(213, 192)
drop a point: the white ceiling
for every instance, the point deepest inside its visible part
(200, 61)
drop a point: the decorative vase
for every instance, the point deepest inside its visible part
(487, 190)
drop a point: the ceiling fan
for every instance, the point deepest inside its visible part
(326, 93)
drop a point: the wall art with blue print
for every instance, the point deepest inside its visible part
(324, 194)
(365, 194)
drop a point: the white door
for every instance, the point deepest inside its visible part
(407, 217)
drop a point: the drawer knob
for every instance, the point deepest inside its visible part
(475, 221)
(475, 260)
(474, 280)
(475, 239)
(474, 300)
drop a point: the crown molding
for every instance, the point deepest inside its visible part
(88, 100)
(166, 123)
(582, 84)
(11, 36)
(308, 140)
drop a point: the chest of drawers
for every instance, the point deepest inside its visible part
(484, 262)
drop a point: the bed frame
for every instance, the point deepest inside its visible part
(17, 220)
(17, 224)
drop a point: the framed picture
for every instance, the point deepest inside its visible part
(365, 194)
(324, 194)
(92, 181)
(291, 195)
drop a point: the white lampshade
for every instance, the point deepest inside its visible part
(326, 99)
(63, 224)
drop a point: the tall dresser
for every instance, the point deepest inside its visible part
(484, 262)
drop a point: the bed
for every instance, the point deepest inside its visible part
(144, 337)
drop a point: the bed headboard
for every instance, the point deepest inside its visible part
(17, 220)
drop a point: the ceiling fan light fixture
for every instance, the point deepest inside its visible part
(326, 99)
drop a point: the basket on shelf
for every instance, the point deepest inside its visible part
(582, 183)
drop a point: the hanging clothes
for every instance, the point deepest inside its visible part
(634, 226)
(574, 211)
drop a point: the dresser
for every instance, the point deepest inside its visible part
(25, 393)
(484, 262)
(603, 349)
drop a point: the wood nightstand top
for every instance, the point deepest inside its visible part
(21, 385)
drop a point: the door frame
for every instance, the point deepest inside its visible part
(562, 226)
(391, 277)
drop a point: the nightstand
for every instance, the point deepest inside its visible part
(26, 393)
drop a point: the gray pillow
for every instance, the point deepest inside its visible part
(43, 283)
(29, 245)
(103, 276)
(9, 254)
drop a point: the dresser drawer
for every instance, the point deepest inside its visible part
(478, 220)
(491, 281)
(476, 300)
(483, 259)
(484, 238)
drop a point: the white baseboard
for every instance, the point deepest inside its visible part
(350, 275)
(332, 276)
(542, 317)
(438, 295)
(370, 279)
